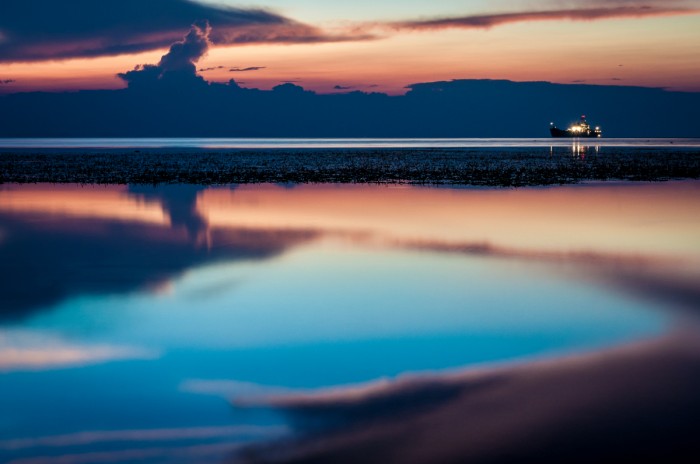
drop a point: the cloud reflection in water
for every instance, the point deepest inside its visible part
(264, 281)
(35, 351)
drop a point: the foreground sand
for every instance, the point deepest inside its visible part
(467, 166)
(637, 403)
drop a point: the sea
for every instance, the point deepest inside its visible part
(338, 143)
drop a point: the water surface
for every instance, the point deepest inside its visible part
(302, 143)
(131, 316)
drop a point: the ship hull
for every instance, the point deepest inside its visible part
(560, 133)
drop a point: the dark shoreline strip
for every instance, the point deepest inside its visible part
(632, 403)
(478, 167)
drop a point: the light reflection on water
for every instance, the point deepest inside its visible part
(130, 315)
(300, 143)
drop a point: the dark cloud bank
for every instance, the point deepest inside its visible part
(250, 68)
(618, 10)
(171, 100)
(34, 30)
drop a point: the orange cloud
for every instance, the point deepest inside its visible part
(575, 14)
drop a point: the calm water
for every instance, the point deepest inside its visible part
(132, 316)
(241, 143)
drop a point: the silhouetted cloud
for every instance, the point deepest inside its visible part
(49, 29)
(7, 81)
(213, 68)
(179, 104)
(573, 14)
(343, 87)
(179, 61)
(250, 68)
(184, 54)
(290, 89)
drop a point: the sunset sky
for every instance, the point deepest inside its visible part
(368, 45)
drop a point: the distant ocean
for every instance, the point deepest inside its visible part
(301, 143)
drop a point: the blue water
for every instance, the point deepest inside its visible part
(242, 143)
(315, 317)
(128, 334)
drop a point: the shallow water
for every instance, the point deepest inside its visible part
(131, 316)
(301, 143)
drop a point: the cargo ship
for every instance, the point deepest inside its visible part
(582, 129)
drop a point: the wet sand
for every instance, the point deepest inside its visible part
(504, 167)
(636, 403)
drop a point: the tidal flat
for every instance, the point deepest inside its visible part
(498, 167)
(349, 323)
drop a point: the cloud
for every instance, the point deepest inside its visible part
(250, 68)
(290, 89)
(486, 21)
(231, 388)
(145, 435)
(7, 81)
(156, 252)
(213, 68)
(343, 87)
(180, 59)
(29, 351)
(184, 54)
(35, 30)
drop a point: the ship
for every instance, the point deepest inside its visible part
(582, 129)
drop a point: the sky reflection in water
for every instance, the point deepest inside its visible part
(128, 309)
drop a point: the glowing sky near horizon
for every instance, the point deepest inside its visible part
(654, 51)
